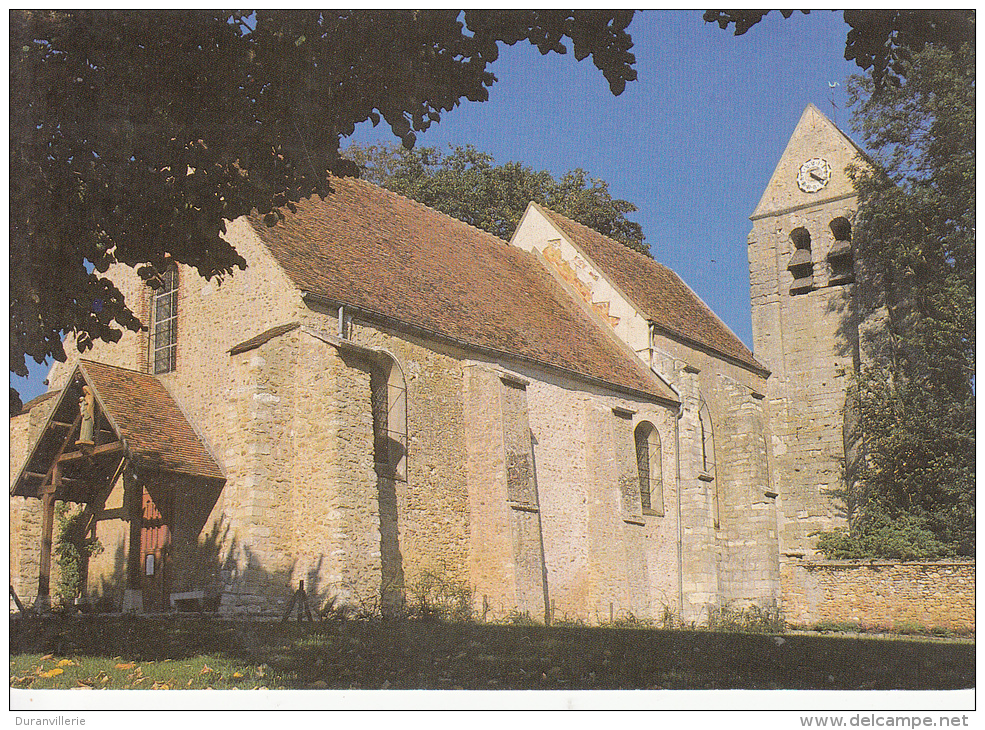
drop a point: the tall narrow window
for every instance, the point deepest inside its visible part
(649, 467)
(707, 463)
(164, 323)
(801, 265)
(389, 402)
(707, 441)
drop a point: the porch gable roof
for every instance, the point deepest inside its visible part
(144, 418)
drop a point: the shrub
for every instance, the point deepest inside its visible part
(72, 550)
(753, 619)
(838, 627)
(521, 618)
(904, 537)
(437, 598)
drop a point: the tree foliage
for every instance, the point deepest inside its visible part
(466, 184)
(73, 548)
(880, 40)
(914, 243)
(135, 135)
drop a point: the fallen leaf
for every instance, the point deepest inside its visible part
(128, 665)
(206, 669)
(46, 657)
(237, 675)
(52, 673)
(66, 663)
(189, 683)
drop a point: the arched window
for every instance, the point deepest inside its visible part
(841, 229)
(649, 465)
(163, 345)
(389, 400)
(840, 256)
(707, 463)
(707, 441)
(801, 265)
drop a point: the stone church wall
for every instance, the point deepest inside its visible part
(729, 512)
(603, 555)
(432, 502)
(500, 474)
(107, 571)
(331, 484)
(253, 515)
(25, 513)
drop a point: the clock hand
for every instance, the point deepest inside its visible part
(816, 176)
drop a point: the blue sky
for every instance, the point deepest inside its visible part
(692, 142)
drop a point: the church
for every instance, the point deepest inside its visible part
(388, 397)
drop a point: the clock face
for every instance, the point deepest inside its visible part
(813, 175)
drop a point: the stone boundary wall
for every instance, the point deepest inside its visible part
(880, 593)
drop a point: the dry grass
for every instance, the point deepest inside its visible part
(198, 653)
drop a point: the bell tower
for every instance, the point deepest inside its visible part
(801, 280)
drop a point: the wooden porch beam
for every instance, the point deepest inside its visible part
(43, 601)
(64, 480)
(109, 448)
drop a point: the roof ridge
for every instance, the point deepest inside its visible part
(419, 204)
(115, 367)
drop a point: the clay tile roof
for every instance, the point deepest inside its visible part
(149, 420)
(657, 291)
(371, 249)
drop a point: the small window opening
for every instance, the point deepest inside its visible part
(840, 257)
(164, 323)
(801, 265)
(650, 468)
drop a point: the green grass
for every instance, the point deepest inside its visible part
(206, 671)
(200, 653)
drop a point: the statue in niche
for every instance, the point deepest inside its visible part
(87, 406)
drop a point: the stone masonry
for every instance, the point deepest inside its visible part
(807, 338)
(728, 523)
(881, 594)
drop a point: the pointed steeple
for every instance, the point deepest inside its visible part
(812, 169)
